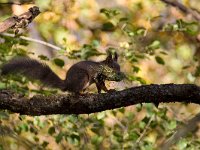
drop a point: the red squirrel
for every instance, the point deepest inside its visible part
(78, 78)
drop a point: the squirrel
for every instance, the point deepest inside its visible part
(79, 76)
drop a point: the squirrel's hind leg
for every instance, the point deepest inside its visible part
(77, 81)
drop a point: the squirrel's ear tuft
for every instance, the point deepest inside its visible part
(109, 57)
(115, 56)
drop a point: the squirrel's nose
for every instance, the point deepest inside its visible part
(120, 76)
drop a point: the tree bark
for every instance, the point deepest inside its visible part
(90, 103)
(20, 21)
(183, 8)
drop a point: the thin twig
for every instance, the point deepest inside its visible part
(33, 40)
(183, 8)
(118, 122)
(145, 130)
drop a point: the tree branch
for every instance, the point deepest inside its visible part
(184, 9)
(16, 3)
(20, 21)
(90, 103)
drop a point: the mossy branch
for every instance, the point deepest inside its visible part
(90, 103)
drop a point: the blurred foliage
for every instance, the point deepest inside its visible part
(156, 44)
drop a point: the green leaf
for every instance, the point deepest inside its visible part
(192, 29)
(4, 115)
(149, 107)
(109, 12)
(33, 129)
(162, 113)
(24, 127)
(51, 130)
(95, 43)
(154, 45)
(159, 60)
(172, 125)
(140, 56)
(88, 51)
(1, 147)
(146, 119)
(122, 109)
(139, 79)
(43, 57)
(108, 26)
(197, 71)
(97, 139)
(142, 81)
(23, 42)
(133, 136)
(164, 53)
(133, 59)
(105, 12)
(74, 54)
(142, 124)
(38, 122)
(101, 115)
(123, 19)
(182, 144)
(36, 139)
(59, 62)
(73, 138)
(44, 144)
(140, 31)
(59, 137)
(138, 107)
(2, 85)
(136, 69)
(186, 67)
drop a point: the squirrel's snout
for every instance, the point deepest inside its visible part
(120, 76)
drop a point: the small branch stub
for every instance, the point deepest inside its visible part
(21, 21)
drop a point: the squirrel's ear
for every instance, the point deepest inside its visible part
(115, 56)
(109, 57)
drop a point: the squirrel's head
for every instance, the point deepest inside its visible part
(111, 69)
(111, 61)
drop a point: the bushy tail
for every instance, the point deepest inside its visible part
(33, 69)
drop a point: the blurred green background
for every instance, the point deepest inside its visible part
(157, 44)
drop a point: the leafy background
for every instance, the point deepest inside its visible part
(156, 43)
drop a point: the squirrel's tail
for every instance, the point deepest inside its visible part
(33, 69)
